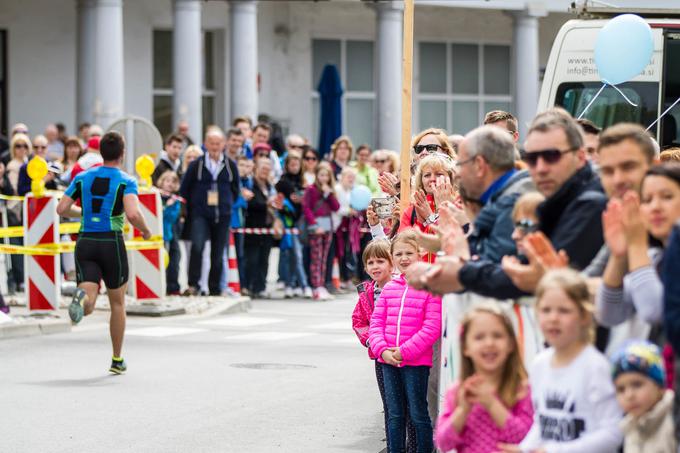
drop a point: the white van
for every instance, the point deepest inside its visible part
(571, 77)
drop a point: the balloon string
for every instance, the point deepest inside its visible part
(598, 94)
(624, 96)
(663, 114)
(591, 101)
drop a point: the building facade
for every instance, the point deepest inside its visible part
(205, 62)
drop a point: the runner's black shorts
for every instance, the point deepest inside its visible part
(101, 256)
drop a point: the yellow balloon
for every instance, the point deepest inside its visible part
(37, 168)
(144, 166)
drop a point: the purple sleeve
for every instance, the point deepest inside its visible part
(445, 436)
(376, 332)
(308, 202)
(519, 422)
(333, 202)
(430, 331)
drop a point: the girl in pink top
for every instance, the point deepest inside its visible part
(405, 324)
(491, 402)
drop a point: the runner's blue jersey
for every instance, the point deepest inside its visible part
(101, 191)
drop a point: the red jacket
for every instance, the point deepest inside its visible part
(409, 219)
(361, 316)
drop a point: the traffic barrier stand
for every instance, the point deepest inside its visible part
(233, 281)
(335, 274)
(42, 272)
(147, 267)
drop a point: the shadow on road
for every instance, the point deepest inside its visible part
(98, 381)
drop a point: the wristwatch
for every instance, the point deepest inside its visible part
(430, 220)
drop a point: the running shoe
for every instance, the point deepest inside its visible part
(118, 366)
(76, 310)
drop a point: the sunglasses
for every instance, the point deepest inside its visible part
(311, 158)
(549, 156)
(429, 148)
(526, 225)
(380, 161)
(39, 147)
(21, 145)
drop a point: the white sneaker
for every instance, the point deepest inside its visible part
(288, 293)
(325, 295)
(297, 292)
(308, 293)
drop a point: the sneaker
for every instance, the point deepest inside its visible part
(308, 294)
(245, 292)
(327, 295)
(190, 291)
(118, 366)
(297, 292)
(288, 293)
(76, 310)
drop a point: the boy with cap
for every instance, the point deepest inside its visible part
(640, 381)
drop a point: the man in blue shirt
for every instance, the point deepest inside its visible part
(107, 195)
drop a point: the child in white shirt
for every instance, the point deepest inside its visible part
(575, 407)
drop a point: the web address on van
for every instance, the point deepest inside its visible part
(585, 66)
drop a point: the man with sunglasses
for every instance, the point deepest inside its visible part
(486, 169)
(571, 215)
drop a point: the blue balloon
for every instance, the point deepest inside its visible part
(359, 198)
(623, 49)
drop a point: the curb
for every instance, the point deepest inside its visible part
(33, 326)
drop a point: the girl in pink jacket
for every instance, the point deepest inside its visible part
(404, 326)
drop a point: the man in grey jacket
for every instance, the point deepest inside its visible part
(486, 168)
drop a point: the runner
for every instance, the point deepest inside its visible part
(105, 194)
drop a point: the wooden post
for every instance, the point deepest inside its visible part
(407, 83)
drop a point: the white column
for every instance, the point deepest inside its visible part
(389, 70)
(525, 64)
(243, 58)
(109, 95)
(187, 66)
(86, 60)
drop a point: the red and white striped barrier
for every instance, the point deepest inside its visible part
(42, 273)
(147, 267)
(233, 278)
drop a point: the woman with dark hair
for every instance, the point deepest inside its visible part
(637, 229)
(310, 159)
(72, 152)
(291, 265)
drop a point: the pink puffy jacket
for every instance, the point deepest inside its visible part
(406, 318)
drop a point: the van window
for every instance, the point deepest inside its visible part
(610, 107)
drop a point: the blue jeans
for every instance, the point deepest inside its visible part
(406, 388)
(292, 268)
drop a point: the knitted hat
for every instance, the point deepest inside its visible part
(93, 143)
(640, 356)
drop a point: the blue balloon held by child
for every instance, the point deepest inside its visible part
(623, 49)
(360, 198)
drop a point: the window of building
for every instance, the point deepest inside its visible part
(458, 83)
(162, 80)
(354, 60)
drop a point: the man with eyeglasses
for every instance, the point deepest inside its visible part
(571, 215)
(486, 170)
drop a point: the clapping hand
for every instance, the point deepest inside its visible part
(421, 205)
(388, 183)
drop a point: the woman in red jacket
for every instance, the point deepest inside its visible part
(433, 185)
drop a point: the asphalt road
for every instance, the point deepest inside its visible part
(289, 376)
